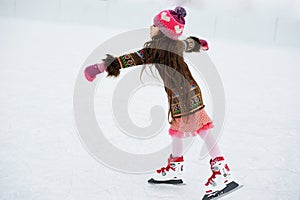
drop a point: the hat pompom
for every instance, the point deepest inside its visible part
(180, 11)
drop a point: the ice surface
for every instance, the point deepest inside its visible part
(41, 156)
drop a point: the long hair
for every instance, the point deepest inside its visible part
(168, 55)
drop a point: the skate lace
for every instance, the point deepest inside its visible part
(213, 176)
(167, 168)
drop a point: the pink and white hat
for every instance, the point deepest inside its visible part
(171, 22)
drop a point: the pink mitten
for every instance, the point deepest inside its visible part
(203, 44)
(91, 71)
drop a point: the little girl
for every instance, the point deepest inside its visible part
(186, 108)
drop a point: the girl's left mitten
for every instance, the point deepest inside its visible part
(92, 71)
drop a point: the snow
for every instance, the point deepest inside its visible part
(41, 153)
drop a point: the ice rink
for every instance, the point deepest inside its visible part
(41, 156)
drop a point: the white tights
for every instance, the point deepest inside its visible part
(209, 141)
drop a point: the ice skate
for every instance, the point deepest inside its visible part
(171, 174)
(220, 182)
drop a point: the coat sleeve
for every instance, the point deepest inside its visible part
(192, 44)
(115, 64)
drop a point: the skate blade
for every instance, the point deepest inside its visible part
(170, 182)
(227, 190)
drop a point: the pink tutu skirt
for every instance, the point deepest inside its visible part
(197, 122)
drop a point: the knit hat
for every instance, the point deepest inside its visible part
(171, 22)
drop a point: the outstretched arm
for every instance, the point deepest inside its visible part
(112, 65)
(194, 44)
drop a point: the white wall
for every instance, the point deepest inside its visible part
(268, 21)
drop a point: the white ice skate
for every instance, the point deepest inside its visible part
(220, 182)
(171, 174)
